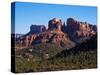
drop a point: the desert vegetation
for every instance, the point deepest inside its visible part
(82, 60)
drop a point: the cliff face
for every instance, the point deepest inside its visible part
(35, 29)
(54, 24)
(56, 37)
(79, 30)
(65, 35)
(26, 40)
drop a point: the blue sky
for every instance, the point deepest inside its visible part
(37, 13)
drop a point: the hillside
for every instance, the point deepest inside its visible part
(90, 44)
(82, 56)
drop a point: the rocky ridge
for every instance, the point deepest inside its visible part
(64, 34)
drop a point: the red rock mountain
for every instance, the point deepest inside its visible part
(79, 30)
(65, 35)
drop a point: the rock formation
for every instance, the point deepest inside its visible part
(57, 37)
(79, 30)
(25, 41)
(65, 35)
(54, 24)
(34, 29)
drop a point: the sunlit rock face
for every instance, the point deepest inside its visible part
(56, 37)
(54, 24)
(37, 29)
(79, 30)
(26, 40)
